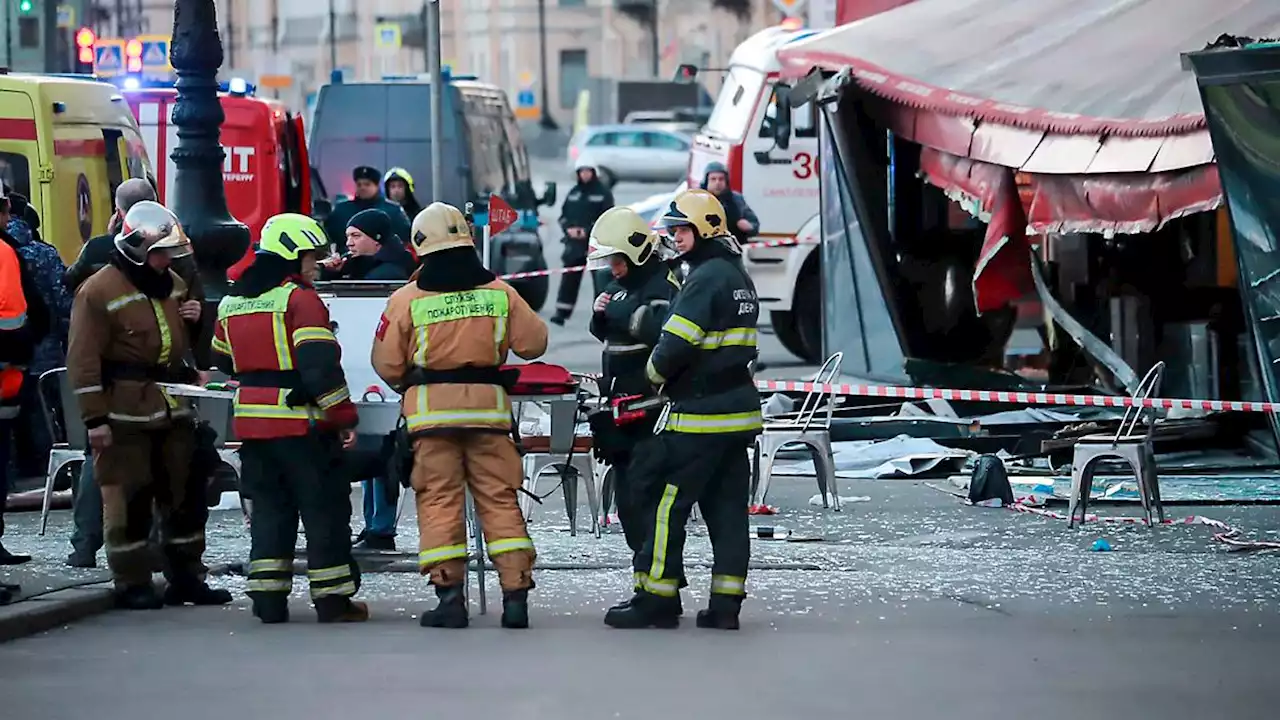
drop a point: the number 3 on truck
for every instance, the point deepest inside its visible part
(802, 166)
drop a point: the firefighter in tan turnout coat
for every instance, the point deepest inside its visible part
(128, 335)
(441, 342)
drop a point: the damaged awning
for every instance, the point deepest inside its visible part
(1046, 116)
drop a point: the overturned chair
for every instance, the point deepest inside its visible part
(1131, 443)
(803, 427)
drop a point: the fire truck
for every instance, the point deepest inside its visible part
(266, 170)
(780, 185)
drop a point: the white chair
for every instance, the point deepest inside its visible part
(476, 556)
(801, 428)
(68, 433)
(1131, 444)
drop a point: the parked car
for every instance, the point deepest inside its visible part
(641, 152)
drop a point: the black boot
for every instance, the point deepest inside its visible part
(82, 559)
(645, 611)
(559, 318)
(450, 611)
(721, 613)
(195, 593)
(337, 609)
(515, 609)
(271, 609)
(8, 558)
(375, 543)
(138, 597)
(8, 593)
(627, 603)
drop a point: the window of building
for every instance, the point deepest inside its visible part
(28, 32)
(573, 77)
(573, 3)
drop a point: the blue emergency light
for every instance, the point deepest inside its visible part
(235, 86)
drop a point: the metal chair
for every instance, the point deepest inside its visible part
(70, 438)
(802, 428)
(1131, 444)
(566, 454)
(476, 555)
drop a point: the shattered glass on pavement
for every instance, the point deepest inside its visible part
(908, 543)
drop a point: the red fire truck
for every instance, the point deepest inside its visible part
(266, 170)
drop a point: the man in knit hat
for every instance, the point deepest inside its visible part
(374, 252)
(368, 196)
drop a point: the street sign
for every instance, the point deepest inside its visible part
(108, 57)
(275, 82)
(66, 16)
(501, 215)
(387, 35)
(155, 55)
(526, 99)
(790, 8)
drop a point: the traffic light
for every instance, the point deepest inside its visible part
(85, 40)
(133, 56)
(24, 7)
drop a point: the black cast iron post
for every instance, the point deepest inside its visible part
(199, 198)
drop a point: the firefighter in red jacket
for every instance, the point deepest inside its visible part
(293, 415)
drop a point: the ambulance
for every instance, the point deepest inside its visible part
(266, 170)
(780, 184)
(67, 143)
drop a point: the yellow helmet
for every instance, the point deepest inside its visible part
(288, 235)
(698, 209)
(150, 226)
(440, 227)
(398, 173)
(621, 231)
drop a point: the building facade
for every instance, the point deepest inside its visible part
(289, 44)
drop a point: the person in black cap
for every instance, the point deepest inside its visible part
(368, 196)
(374, 252)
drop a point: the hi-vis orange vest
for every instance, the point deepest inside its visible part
(13, 317)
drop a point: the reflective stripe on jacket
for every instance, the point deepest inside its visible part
(285, 331)
(113, 324)
(451, 330)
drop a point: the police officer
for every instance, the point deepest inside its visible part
(584, 204)
(628, 319)
(292, 412)
(128, 335)
(441, 342)
(703, 363)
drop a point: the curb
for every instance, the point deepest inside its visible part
(395, 563)
(46, 612)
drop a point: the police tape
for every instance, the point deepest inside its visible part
(783, 242)
(1017, 398)
(1224, 533)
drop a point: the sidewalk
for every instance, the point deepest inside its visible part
(51, 597)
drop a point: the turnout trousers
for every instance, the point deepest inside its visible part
(487, 463)
(291, 478)
(711, 470)
(629, 468)
(139, 470)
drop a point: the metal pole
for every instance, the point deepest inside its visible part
(333, 37)
(8, 35)
(437, 100)
(49, 37)
(199, 198)
(653, 39)
(426, 40)
(547, 122)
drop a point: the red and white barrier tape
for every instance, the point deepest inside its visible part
(1224, 533)
(1017, 398)
(783, 242)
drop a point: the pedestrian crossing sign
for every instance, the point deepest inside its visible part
(387, 36)
(108, 57)
(155, 54)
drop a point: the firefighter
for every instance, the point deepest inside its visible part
(627, 317)
(127, 335)
(584, 204)
(441, 342)
(703, 364)
(293, 415)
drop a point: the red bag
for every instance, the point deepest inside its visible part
(539, 378)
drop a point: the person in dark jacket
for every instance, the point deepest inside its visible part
(627, 317)
(96, 253)
(374, 251)
(584, 204)
(743, 223)
(703, 364)
(397, 185)
(368, 196)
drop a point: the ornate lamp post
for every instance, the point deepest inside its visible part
(199, 199)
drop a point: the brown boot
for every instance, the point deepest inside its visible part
(341, 610)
